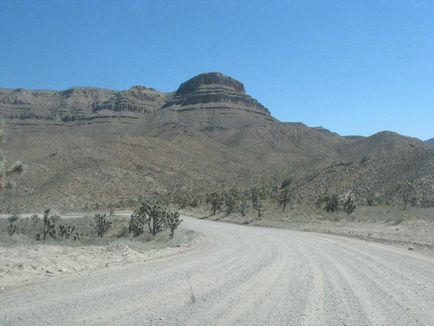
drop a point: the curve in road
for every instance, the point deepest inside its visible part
(241, 276)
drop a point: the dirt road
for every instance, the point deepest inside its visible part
(241, 276)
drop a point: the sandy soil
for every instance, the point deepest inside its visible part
(25, 264)
(414, 234)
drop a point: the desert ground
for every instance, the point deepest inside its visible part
(244, 275)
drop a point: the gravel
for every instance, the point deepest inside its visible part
(241, 275)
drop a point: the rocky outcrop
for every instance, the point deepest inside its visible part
(214, 90)
(137, 99)
(211, 78)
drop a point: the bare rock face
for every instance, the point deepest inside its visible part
(137, 99)
(214, 90)
(211, 78)
(214, 94)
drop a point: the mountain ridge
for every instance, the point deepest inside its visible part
(207, 133)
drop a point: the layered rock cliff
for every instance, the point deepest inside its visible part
(214, 90)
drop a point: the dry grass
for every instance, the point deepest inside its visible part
(118, 233)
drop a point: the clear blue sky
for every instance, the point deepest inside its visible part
(355, 67)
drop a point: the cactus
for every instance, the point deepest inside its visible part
(77, 236)
(35, 220)
(101, 224)
(12, 228)
(231, 199)
(348, 204)
(284, 193)
(49, 227)
(172, 221)
(243, 206)
(332, 203)
(256, 200)
(156, 216)
(65, 231)
(138, 219)
(216, 201)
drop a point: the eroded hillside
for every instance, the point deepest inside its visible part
(85, 147)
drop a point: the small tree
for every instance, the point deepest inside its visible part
(370, 198)
(405, 191)
(139, 219)
(258, 207)
(348, 204)
(65, 231)
(102, 224)
(172, 221)
(284, 194)
(230, 199)
(331, 203)
(243, 206)
(157, 215)
(35, 220)
(216, 201)
(49, 226)
(154, 214)
(12, 227)
(257, 194)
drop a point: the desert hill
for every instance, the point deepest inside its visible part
(84, 147)
(430, 141)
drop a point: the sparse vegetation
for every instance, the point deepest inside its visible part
(66, 231)
(172, 222)
(138, 220)
(243, 206)
(331, 203)
(35, 220)
(284, 194)
(348, 204)
(12, 227)
(16, 168)
(102, 223)
(405, 192)
(156, 216)
(215, 200)
(230, 200)
(257, 195)
(49, 225)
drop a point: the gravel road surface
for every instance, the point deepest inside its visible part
(241, 275)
